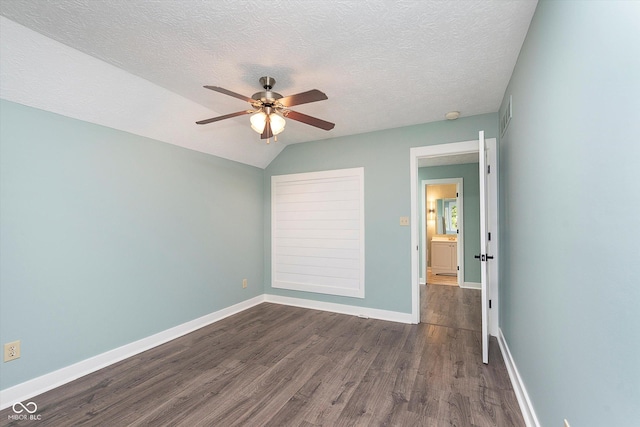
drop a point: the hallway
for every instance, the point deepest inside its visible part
(450, 306)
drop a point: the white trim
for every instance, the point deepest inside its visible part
(471, 285)
(459, 237)
(36, 386)
(423, 252)
(528, 413)
(415, 242)
(373, 313)
(492, 188)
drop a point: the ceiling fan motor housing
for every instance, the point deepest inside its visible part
(266, 97)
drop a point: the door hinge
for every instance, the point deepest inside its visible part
(417, 248)
(457, 231)
(488, 168)
(489, 303)
(489, 235)
(457, 195)
(458, 268)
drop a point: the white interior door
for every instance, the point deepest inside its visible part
(483, 246)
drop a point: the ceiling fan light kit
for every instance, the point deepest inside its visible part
(270, 108)
(259, 121)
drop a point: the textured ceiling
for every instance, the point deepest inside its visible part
(383, 64)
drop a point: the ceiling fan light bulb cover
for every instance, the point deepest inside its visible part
(258, 121)
(277, 123)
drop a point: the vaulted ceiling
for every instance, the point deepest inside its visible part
(139, 65)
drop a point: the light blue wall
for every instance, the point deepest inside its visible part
(471, 207)
(570, 214)
(108, 237)
(385, 158)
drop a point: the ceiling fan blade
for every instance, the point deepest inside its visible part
(228, 92)
(266, 133)
(226, 116)
(312, 95)
(309, 120)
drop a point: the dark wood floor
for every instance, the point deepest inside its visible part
(451, 306)
(286, 366)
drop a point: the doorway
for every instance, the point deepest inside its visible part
(441, 151)
(442, 230)
(445, 299)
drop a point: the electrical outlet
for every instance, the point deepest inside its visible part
(244, 283)
(566, 423)
(404, 220)
(11, 351)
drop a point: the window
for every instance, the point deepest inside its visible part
(317, 229)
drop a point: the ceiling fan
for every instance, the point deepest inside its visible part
(270, 108)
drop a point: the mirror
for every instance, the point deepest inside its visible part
(447, 216)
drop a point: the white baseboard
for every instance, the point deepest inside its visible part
(526, 407)
(28, 389)
(36, 386)
(374, 313)
(471, 285)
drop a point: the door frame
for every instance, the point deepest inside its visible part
(423, 221)
(464, 147)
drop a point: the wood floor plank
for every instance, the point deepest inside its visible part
(304, 402)
(341, 386)
(277, 365)
(451, 306)
(275, 390)
(456, 410)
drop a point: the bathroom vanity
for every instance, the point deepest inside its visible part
(444, 256)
